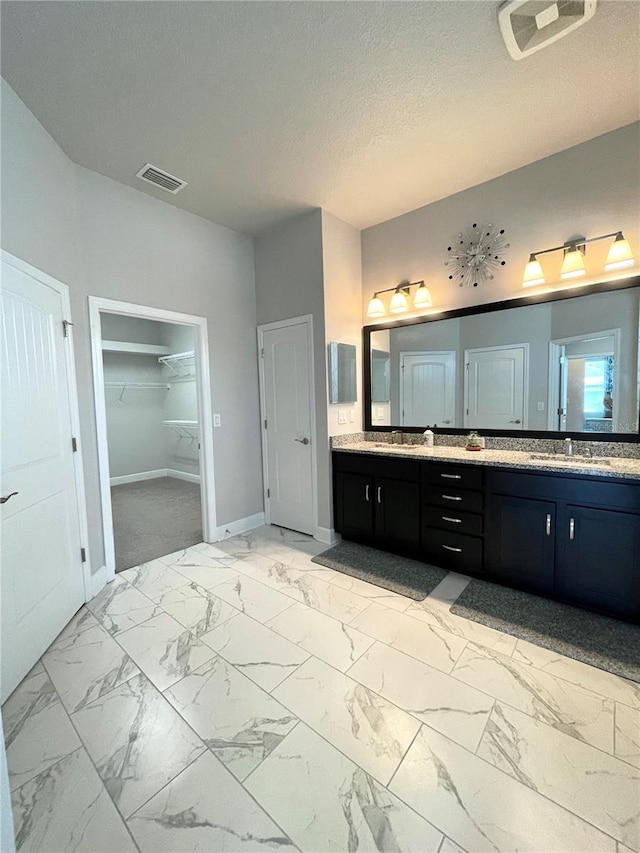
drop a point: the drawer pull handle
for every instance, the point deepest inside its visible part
(548, 524)
(572, 529)
(452, 497)
(452, 520)
(452, 476)
(366, 492)
(379, 494)
(451, 548)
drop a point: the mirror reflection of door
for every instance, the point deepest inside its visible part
(585, 382)
(427, 388)
(495, 387)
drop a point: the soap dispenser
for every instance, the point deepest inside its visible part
(427, 438)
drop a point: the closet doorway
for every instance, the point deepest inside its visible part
(153, 418)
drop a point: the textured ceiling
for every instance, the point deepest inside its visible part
(368, 109)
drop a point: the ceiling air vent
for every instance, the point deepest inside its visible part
(529, 25)
(153, 175)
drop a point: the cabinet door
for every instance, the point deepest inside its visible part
(599, 559)
(354, 506)
(397, 515)
(520, 541)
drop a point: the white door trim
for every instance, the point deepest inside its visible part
(525, 388)
(69, 359)
(205, 416)
(554, 386)
(307, 320)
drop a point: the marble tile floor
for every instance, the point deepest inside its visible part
(238, 697)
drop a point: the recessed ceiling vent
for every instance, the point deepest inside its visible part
(153, 175)
(529, 25)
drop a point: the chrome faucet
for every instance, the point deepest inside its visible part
(568, 446)
(397, 436)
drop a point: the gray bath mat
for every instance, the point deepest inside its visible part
(398, 574)
(588, 637)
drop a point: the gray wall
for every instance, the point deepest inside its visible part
(312, 265)
(587, 190)
(342, 282)
(289, 283)
(105, 239)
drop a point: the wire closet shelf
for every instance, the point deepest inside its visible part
(180, 363)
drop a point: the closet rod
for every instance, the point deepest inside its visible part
(137, 385)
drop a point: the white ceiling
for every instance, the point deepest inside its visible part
(368, 109)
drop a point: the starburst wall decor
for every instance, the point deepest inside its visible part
(475, 255)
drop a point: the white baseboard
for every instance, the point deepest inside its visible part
(97, 581)
(183, 475)
(154, 475)
(242, 525)
(327, 536)
(136, 478)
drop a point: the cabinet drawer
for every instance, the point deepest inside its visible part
(453, 498)
(460, 476)
(451, 519)
(376, 465)
(453, 550)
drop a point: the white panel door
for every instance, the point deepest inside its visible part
(428, 388)
(288, 433)
(495, 391)
(41, 580)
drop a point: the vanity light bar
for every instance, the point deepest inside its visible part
(399, 304)
(573, 266)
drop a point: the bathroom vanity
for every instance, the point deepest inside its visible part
(536, 375)
(565, 528)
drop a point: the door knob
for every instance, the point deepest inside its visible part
(517, 421)
(4, 499)
(302, 440)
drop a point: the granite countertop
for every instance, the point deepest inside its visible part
(619, 467)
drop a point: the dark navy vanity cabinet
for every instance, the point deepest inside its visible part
(572, 537)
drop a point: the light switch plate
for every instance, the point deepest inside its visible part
(352, 416)
(541, 407)
(342, 416)
(217, 421)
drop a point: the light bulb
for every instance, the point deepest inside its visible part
(422, 297)
(376, 307)
(573, 264)
(620, 254)
(532, 273)
(398, 304)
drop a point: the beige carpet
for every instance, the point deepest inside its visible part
(153, 518)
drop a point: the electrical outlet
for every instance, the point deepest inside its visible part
(217, 421)
(342, 416)
(541, 407)
(352, 416)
